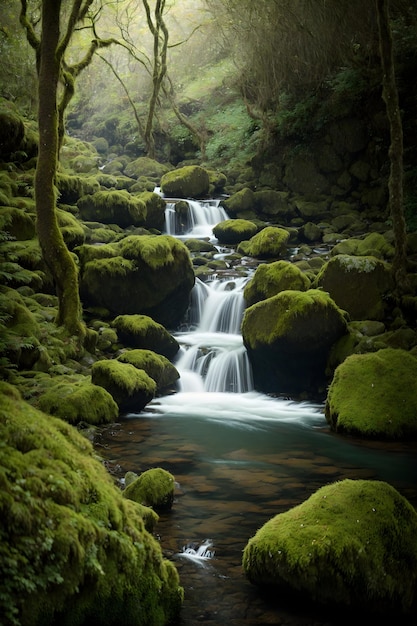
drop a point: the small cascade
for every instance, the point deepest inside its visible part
(198, 553)
(198, 221)
(214, 353)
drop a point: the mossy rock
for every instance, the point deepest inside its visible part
(234, 231)
(200, 245)
(375, 395)
(218, 181)
(144, 166)
(154, 488)
(157, 366)
(71, 188)
(351, 544)
(131, 389)
(146, 274)
(242, 200)
(273, 205)
(373, 244)
(73, 550)
(358, 284)
(72, 231)
(191, 181)
(155, 210)
(289, 337)
(79, 401)
(271, 278)
(113, 207)
(270, 242)
(17, 222)
(141, 331)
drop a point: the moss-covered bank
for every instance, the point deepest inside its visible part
(73, 551)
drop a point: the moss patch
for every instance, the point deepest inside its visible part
(269, 279)
(234, 231)
(270, 242)
(72, 550)
(155, 365)
(141, 331)
(351, 543)
(191, 181)
(375, 395)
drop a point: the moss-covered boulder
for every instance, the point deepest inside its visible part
(154, 488)
(191, 181)
(351, 544)
(157, 366)
(141, 331)
(270, 242)
(358, 284)
(375, 395)
(240, 202)
(71, 188)
(113, 207)
(155, 210)
(234, 231)
(289, 338)
(144, 166)
(271, 278)
(145, 274)
(374, 244)
(132, 389)
(17, 222)
(78, 401)
(72, 549)
(72, 231)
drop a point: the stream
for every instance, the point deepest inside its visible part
(239, 457)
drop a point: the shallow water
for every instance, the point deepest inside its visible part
(240, 459)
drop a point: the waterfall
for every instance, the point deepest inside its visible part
(198, 220)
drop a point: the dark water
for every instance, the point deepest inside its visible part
(240, 459)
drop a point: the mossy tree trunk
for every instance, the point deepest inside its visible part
(54, 250)
(395, 184)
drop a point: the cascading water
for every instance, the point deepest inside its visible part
(197, 220)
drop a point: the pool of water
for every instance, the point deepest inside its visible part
(240, 459)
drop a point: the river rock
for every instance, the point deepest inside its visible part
(375, 395)
(113, 207)
(358, 284)
(89, 553)
(289, 337)
(191, 181)
(154, 488)
(141, 274)
(270, 242)
(240, 202)
(132, 389)
(234, 231)
(352, 544)
(271, 278)
(141, 331)
(157, 366)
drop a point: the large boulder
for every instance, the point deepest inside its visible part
(191, 181)
(271, 278)
(351, 544)
(157, 366)
(240, 202)
(141, 274)
(358, 284)
(269, 243)
(375, 395)
(154, 488)
(72, 550)
(113, 207)
(289, 338)
(141, 331)
(132, 389)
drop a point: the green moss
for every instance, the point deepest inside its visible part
(373, 244)
(72, 231)
(158, 367)
(234, 231)
(191, 181)
(375, 395)
(73, 550)
(19, 224)
(144, 166)
(351, 543)
(141, 331)
(78, 401)
(270, 279)
(156, 251)
(155, 209)
(72, 188)
(242, 200)
(154, 488)
(130, 388)
(268, 243)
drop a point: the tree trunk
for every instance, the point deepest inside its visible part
(395, 184)
(54, 250)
